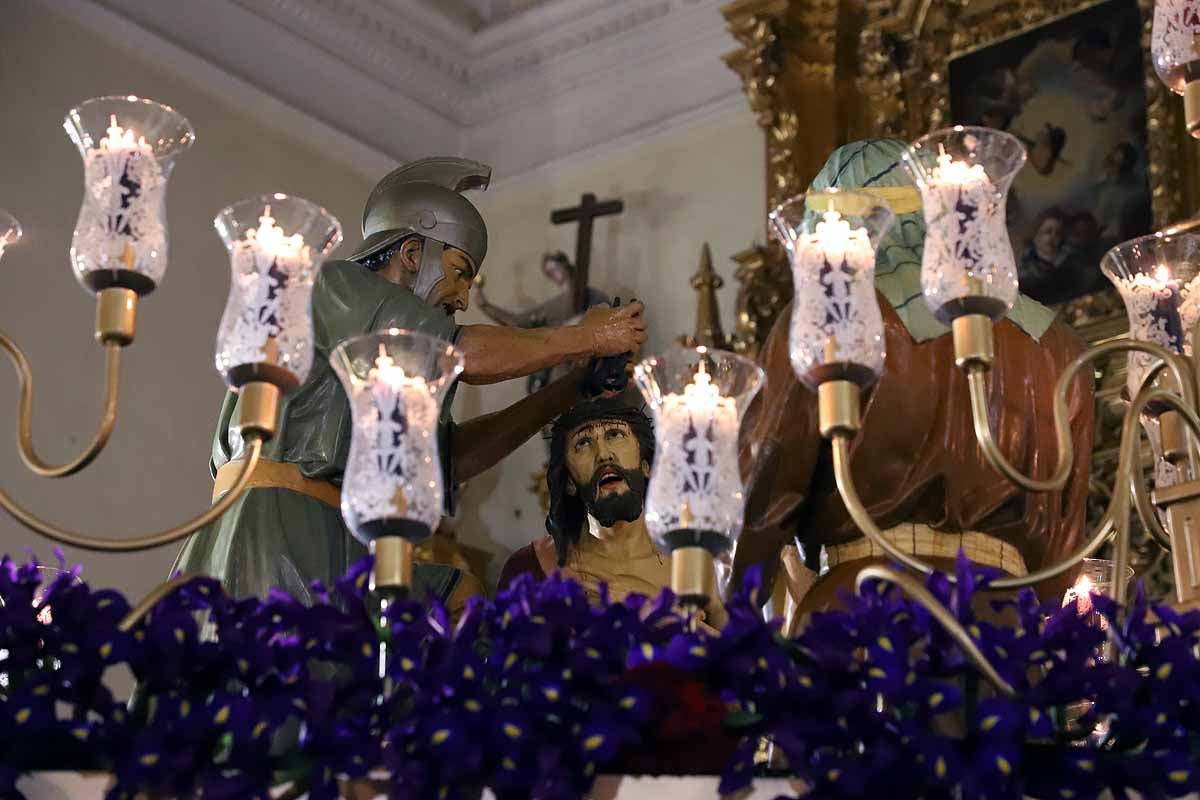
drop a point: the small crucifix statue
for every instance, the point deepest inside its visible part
(572, 279)
(587, 210)
(575, 295)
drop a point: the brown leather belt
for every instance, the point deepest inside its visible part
(276, 475)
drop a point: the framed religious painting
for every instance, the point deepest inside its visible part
(1108, 156)
(1073, 91)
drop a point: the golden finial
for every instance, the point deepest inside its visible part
(706, 281)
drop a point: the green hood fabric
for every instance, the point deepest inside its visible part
(876, 163)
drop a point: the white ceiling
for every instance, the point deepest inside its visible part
(481, 13)
(517, 83)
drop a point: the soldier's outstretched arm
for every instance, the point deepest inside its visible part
(483, 442)
(494, 353)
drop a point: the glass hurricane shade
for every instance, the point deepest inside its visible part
(128, 145)
(1159, 280)
(10, 231)
(1173, 45)
(396, 382)
(697, 397)
(276, 244)
(1095, 578)
(836, 330)
(964, 174)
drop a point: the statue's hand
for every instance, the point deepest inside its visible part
(615, 331)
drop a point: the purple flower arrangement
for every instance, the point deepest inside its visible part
(535, 693)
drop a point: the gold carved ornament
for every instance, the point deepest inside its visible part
(900, 76)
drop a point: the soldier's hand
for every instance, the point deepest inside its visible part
(615, 330)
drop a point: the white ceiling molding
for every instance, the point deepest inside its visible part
(517, 83)
(257, 103)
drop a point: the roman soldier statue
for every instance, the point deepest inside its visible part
(424, 243)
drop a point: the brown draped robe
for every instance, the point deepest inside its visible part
(916, 458)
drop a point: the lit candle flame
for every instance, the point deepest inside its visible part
(1162, 273)
(271, 239)
(1082, 592)
(387, 370)
(121, 139)
(701, 391)
(957, 172)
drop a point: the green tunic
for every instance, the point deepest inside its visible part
(280, 538)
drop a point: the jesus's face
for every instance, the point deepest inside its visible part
(605, 467)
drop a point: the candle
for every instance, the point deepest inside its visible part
(1081, 593)
(394, 471)
(121, 225)
(1095, 579)
(276, 245)
(270, 257)
(967, 266)
(119, 139)
(960, 173)
(268, 321)
(960, 211)
(1162, 310)
(697, 469)
(836, 328)
(697, 397)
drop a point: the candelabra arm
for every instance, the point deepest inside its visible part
(913, 588)
(254, 443)
(138, 612)
(977, 386)
(112, 351)
(1128, 469)
(1143, 503)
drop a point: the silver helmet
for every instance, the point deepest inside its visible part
(423, 198)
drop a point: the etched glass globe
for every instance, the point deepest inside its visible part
(1176, 53)
(10, 231)
(396, 381)
(698, 398)
(128, 145)
(276, 245)
(836, 328)
(964, 174)
(1159, 280)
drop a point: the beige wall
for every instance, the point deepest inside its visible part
(154, 472)
(702, 182)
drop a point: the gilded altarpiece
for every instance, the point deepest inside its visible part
(820, 73)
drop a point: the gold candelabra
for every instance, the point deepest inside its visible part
(969, 281)
(118, 252)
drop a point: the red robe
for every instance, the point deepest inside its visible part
(916, 458)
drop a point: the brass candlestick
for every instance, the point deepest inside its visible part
(391, 579)
(838, 423)
(692, 578)
(116, 316)
(692, 572)
(392, 571)
(1173, 396)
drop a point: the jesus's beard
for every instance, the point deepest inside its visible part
(623, 506)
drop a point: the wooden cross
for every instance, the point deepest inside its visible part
(587, 210)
